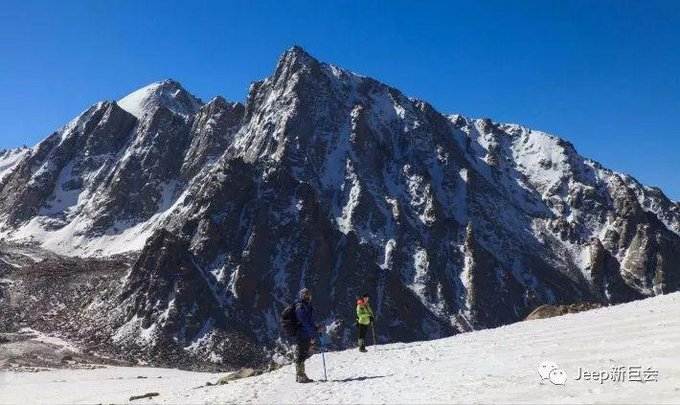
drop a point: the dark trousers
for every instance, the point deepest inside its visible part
(363, 329)
(302, 350)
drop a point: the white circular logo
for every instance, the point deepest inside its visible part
(558, 377)
(545, 368)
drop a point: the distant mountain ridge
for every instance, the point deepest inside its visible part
(337, 182)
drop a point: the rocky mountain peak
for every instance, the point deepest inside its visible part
(167, 93)
(296, 57)
(338, 182)
(212, 132)
(294, 61)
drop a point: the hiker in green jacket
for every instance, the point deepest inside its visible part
(364, 319)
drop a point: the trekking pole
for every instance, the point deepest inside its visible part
(323, 356)
(373, 330)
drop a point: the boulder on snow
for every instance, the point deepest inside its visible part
(244, 373)
(147, 395)
(549, 311)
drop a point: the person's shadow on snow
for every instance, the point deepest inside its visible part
(360, 378)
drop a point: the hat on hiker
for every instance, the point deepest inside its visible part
(305, 292)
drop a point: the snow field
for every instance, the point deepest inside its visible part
(488, 366)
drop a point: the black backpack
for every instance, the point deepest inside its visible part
(289, 322)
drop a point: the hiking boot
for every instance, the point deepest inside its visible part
(362, 345)
(300, 375)
(303, 379)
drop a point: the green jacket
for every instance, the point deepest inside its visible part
(364, 313)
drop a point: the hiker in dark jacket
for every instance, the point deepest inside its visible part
(307, 333)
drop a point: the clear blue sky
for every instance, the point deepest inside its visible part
(602, 74)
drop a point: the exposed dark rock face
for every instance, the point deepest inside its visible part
(212, 132)
(73, 154)
(169, 297)
(342, 184)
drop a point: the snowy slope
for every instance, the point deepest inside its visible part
(495, 365)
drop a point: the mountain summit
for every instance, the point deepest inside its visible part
(333, 181)
(167, 93)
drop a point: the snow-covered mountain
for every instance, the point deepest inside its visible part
(101, 184)
(337, 182)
